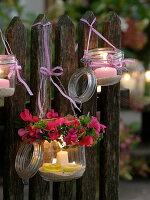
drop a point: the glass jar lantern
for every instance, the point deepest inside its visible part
(103, 61)
(134, 80)
(7, 76)
(53, 162)
(103, 67)
(62, 164)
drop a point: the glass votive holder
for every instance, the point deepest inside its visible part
(62, 164)
(7, 75)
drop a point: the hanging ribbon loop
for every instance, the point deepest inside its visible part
(16, 68)
(48, 72)
(111, 61)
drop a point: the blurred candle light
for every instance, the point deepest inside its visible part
(147, 76)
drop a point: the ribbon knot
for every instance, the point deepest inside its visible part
(51, 72)
(111, 60)
(15, 67)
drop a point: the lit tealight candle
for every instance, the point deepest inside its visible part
(4, 83)
(62, 157)
(105, 72)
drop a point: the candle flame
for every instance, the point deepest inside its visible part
(73, 162)
(1, 71)
(54, 160)
(147, 76)
(104, 56)
(126, 77)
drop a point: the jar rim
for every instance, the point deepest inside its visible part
(96, 54)
(7, 59)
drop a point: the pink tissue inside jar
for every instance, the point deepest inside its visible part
(105, 72)
(4, 83)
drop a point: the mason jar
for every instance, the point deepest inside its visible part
(61, 163)
(106, 63)
(103, 67)
(7, 75)
(134, 80)
(53, 162)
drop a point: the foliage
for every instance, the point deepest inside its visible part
(135, 14)
(67, 130)
(131, 166)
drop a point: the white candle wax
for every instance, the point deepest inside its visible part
(105, 72)
(4, 83)
(62, 157)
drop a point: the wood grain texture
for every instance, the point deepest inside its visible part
(12, 184)
(39, 189)
(86, 186)
(65, 57)
(110, 101)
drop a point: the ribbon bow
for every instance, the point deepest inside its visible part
(16, 68)
(48, 73)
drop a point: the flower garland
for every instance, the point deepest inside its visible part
(66, 130)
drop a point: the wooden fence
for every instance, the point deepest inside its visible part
(84, 188)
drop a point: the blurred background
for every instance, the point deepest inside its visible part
(135, 107)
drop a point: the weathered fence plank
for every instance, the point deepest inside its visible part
(65, 57)
(86, 186)
(39, 189)
(12, 184)
(109, 154)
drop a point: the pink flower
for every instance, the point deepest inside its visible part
(75, 122)
(54, 136)
(52, 114)
(26, 116)
(95, 124)
(71, 137)
(22, 132)
(87, 141)
(51, 126)
(102, 127)
(34, 132)
(60, 121)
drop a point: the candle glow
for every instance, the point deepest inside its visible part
(105, 72)
(147, 76)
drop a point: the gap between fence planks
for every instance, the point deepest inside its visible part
(39, 189)
(110, 101)
(12, 184)
(86, 186)
(64, 57)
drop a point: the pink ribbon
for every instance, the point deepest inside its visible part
(16, 68)
(111, 61)
(48, 72)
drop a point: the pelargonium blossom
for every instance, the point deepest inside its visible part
(26, 116)
(71, 137)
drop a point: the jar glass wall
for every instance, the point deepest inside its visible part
(7, 75)
(62, 164)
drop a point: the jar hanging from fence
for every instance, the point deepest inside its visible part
(103, 66)
(9, 69)
(62, 164)
(134, 80)
(53, 162)
(7, 80)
